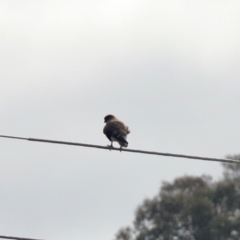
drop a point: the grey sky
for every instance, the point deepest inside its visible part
(168, 69)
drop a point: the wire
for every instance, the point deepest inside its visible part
(126, 150)
(17, 238)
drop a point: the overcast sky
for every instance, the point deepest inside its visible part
(168, 69)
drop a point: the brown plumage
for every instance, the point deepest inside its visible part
(115, 130)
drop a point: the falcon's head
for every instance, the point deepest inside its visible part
(109, 118)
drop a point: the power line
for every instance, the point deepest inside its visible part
(17, 238)
(126, 150)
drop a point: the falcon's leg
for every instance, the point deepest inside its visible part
(110, 146)
(120, 148)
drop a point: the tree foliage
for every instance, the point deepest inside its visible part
(190, 208)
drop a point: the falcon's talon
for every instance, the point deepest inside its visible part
(110, 147)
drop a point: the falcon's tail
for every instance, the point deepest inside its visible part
(121, 140)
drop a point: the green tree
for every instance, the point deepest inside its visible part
(191, 208)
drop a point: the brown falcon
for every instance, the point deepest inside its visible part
(116, 131)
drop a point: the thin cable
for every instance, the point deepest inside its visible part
(17, 238)
(126, 150)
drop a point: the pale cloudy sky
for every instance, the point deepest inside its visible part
(169, 69)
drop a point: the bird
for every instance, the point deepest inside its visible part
(116, 131)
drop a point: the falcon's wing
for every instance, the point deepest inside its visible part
(116, 130)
